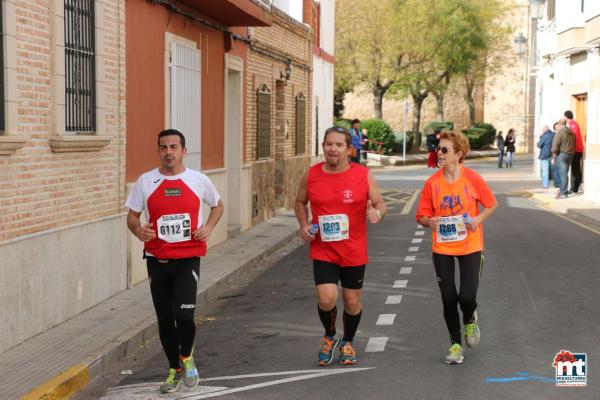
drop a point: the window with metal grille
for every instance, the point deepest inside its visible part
(263, 118)
(80, 66)
(300, 124)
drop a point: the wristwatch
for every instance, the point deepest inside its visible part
(379, 214)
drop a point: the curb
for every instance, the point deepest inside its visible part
(62, 386)
(412, 159)
(590, 222)
(77, 377)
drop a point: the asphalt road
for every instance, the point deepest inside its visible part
(538, 295)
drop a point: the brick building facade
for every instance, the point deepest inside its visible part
(285, 152)
(62, 152)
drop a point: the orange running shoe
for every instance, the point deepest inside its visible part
(347, 353)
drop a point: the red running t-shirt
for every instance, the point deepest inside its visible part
(338, 203)
(173, 205)
(442, 199)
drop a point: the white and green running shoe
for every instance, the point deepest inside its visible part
(472, 332)
(190, 373)
(455, 354)
(172, 382)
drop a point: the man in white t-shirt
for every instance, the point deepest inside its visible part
(174, 240)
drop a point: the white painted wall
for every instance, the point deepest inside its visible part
(328, 26)
(49, 277)
(323, 98)
(293, 8)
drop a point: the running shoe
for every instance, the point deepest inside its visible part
(455, 354)
(328, 345)
(347, 353)
(472, 332)
(190, 373)
(172, 382)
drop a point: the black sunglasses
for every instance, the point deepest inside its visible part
(444, 150)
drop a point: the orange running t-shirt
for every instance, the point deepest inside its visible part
(442, 199)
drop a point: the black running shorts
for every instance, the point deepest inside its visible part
(350, 277)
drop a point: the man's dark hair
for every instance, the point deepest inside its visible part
(437, 130)
(569, 114)
(171, 132)
(355, 120)
(339, 129)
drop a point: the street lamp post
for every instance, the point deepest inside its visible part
(537, 8)
(520, 45)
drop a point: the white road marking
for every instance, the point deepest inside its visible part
(393, 299)
(417, 240)
(405, 270)
(149, 390)
(419, 226)
(386, 319)
(376, 344)
(410, 202)
(410, 258)
(413, 249)
(419, 233)
(401, 283)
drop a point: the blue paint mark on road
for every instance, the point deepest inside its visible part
(520, 377)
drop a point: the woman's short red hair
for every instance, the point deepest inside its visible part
(459, 141)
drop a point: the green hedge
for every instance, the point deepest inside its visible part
(378, 130)
(345, 123)
(489, 129)
(399, 138)
(477, 137)
(442, 126)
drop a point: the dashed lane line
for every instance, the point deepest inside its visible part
(393, 299)
(386, 319)
(417, 240)
(410, 258)
(413, 249)
(405, 270)
(400, 283)
(376, 344)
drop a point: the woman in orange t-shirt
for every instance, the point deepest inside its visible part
(449, 205)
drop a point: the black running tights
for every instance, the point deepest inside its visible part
(470, 266)
(173, 284)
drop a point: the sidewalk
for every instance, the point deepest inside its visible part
(62, 360)
(377, 161)
(575, 207)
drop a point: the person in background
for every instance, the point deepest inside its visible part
(500, 146)
(545, 146)
(563, 149)
(356, 140)
(509, 143)
(576, 170)
(432, 142)
(364, 143)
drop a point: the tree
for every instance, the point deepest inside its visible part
(367, 47)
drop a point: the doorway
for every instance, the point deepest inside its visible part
(234, 143)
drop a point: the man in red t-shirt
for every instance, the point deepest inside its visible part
(174, 240)
(342, 196)
(576, 170)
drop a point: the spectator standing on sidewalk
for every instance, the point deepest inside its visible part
(364, 143)
(174, 240)
(563, 149)
(500, 147)
(576, 170)
(545, 146)
(343, 196)
(450, 205)
(432, 142)
(356, 140)
(509, 143)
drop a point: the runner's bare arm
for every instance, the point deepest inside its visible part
(376, 207)
(144, 233)
(214, 216)
(301, 209)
